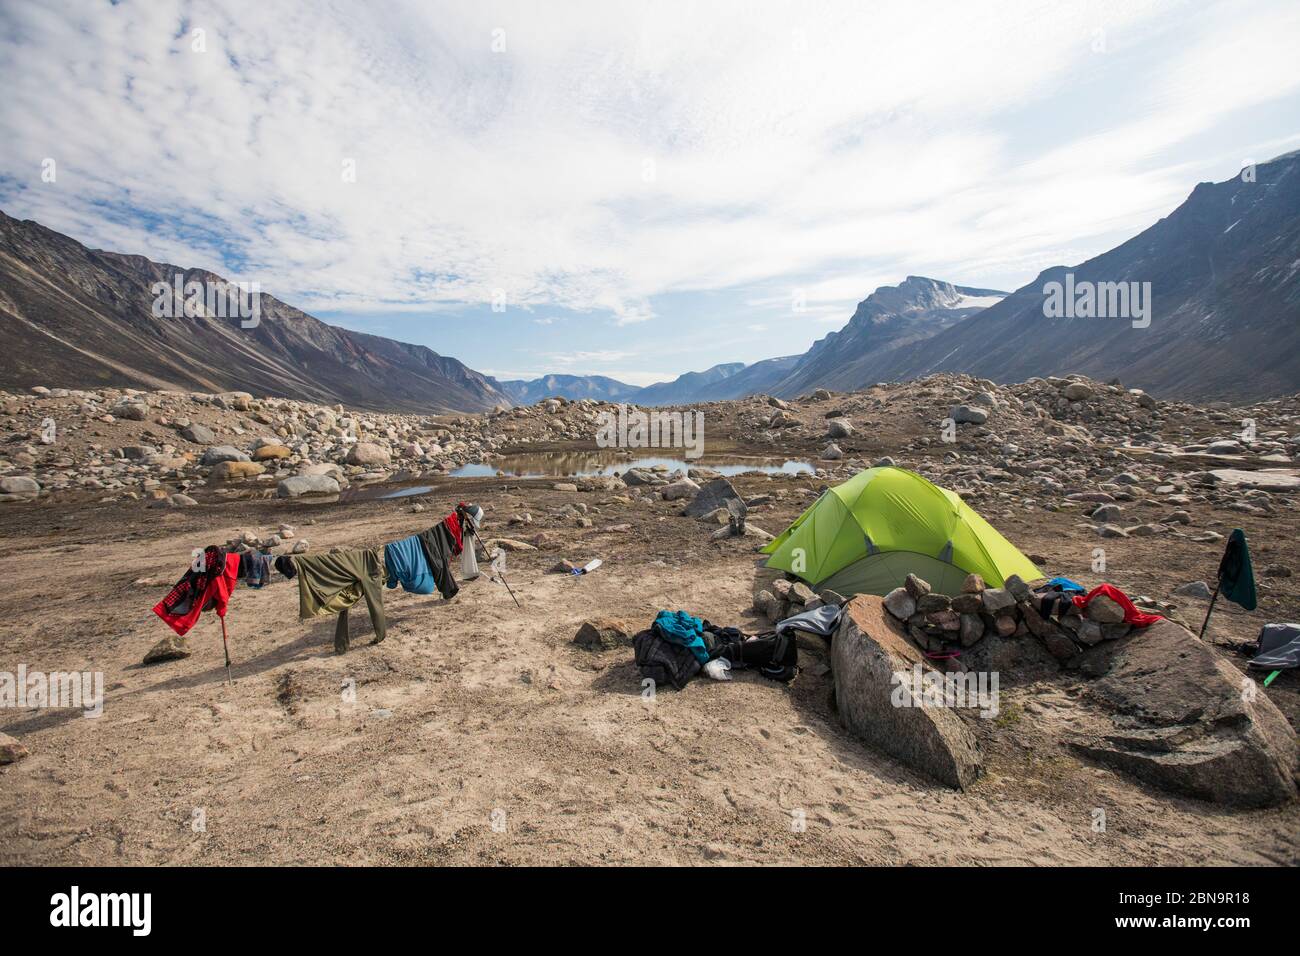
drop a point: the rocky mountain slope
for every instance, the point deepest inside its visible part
(754, 379)
(891, 317)
(1224, 274)
(730, 380)
(83, 318)
(685, 387)
(531, 391)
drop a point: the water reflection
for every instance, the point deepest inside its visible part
(586, 464)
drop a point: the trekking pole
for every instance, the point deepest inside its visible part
(501, 573)
(1209, 611)
(226, 647)
(502, 576)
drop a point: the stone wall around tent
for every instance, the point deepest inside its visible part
(1158, 705)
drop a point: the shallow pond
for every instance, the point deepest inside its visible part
(586, 464)
(583, 465)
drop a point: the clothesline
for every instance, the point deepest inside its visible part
(331, 582)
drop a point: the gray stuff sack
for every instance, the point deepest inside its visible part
(1279, 647)
(820, 620)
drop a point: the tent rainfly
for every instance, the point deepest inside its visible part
(866, 535)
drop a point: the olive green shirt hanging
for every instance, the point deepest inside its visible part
(331, 583)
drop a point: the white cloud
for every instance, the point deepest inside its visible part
(574, 358)
(610, 153)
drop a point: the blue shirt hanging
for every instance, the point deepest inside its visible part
(405, 563)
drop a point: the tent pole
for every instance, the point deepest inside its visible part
(502, 576)
(1209, 611)
(226, 647)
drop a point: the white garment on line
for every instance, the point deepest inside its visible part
(469, 562)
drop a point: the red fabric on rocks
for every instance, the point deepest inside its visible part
(1131, 614)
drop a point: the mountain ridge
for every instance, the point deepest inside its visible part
(95, 326)
(1224, 273)
(887, 319)
(1223, 268)
(531, 391)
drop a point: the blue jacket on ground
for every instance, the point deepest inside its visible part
(681, 628)
(405, 562)
(1066, 585)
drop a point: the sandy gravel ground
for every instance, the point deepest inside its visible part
(480, 735)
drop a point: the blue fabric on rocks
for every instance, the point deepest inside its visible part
(1066, 585)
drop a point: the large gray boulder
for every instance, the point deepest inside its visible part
(368, 455)
(220, 453)
(199, 434)
(19, 485)
(839, 428)
(868, 649)
(900, 604)
(712, 496)
(1184, 719)
(682, 488)
(299, 485)
(131, 411)
(601, 483)
(968, 415)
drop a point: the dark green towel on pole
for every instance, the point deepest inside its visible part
(1236, 578)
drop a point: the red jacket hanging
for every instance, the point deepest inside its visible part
(199, 591)
(1131, 614)
(452, 521)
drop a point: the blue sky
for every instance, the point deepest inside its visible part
(649, 187)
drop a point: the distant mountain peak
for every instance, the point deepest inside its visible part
(919, 293)
(889, 318)
(531, 391)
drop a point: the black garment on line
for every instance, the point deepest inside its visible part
(439, 548)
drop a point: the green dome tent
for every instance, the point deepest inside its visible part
(866, 535)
